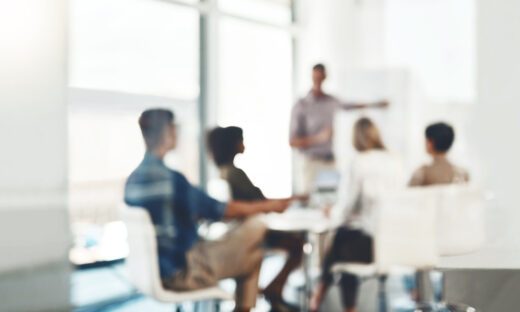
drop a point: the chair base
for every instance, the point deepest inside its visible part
(443, 307)
(201, 306)
(456, 307)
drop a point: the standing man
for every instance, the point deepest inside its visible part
(311, 130)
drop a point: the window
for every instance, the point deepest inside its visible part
(130, 55)
(135, 46)
(125, 56)
(254, 75)
(271, 11)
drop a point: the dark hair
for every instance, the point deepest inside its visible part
(319, 67)
(442, 135)
(152, 123)
(223, 144)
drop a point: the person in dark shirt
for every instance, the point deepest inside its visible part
(176, 207)
(224, 144)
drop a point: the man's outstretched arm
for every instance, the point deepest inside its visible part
(352, 106)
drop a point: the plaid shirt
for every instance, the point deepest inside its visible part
(175, 207)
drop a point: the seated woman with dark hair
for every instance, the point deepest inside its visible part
(224, 144)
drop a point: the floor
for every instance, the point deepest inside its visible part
(106, 289)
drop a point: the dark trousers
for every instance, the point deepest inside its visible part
(348, 246)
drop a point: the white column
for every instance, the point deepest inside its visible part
(34, 230)
(32, 95)
(497, 119)
(495, 129)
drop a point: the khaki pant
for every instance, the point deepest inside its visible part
(310, 169)
(237, 255)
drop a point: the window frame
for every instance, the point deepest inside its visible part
(207, 101)
(210, 14)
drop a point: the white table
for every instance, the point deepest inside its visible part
(309, 221)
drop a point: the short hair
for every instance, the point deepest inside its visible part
(319, 67)
(366, 136)
(153, 123)
(442, 135)
(223, 144)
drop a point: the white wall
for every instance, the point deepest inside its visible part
(497, 119)
(342, 34)
(494, 126)
(496, 123)
(433, 43)
(32, 95)
(436, 41)
(34, 233)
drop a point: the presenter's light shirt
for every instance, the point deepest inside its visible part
(312, 114)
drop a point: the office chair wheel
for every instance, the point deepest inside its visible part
(424, 307)
(456, 307)
(443, 307)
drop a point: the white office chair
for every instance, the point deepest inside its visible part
(143, 264)
(460, 219)
(404, 239)
(460, 227)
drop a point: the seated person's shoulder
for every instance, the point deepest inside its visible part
(150, 181)
(179, 181)
(143, 186)
(177, 175)
(150, 171)
(419, 176)
(234, 172)
(228, 172)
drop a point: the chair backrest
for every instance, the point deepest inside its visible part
(460, 219)
(405, 230)
(417, 225)
(142, 261)
(327, 180)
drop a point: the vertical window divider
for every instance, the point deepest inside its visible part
(203, 97)
(207, 104)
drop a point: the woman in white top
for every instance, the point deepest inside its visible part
(373, 171)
